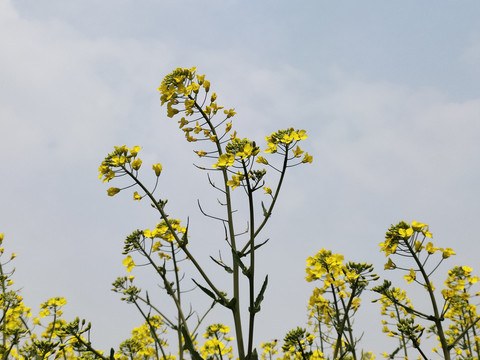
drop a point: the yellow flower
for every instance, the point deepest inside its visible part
(182, 122)
(267, 190)
(307, 158)
(128, 262)
(235, 180)
(171, 112)
(118, 160)
(417, 226)
(390, 265)
(405, 233)
(112, 191)
(299, 135)
(447, 253)
(193, 87)
(262, 160)
(410, 277)
(297, 152)
(134, 151)
(430, 249)
(418, 246)
(272, 147)
(136, 164)
(136, 196)
(230, 113)
(43, 313)
(157, 168)
(206, 85)
(225, 160)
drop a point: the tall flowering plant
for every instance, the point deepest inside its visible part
(239, 165)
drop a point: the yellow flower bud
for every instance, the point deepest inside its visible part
(157, 168)
(112, 191)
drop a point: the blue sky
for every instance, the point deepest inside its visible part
(388, 92)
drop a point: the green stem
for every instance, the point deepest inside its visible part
(170, 291)
(152, 330)
(177, 281)
(338, 328)
(436, 318)
(236, 271)
(251, 272)
(164, 216)
(274, 200)
(401, 339)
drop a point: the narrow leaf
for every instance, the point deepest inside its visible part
(256, 247)
(206, 291)
(226, 268)
(265, 212)
(259, 298)
(238, 261)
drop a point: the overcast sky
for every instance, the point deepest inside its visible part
(387, 90)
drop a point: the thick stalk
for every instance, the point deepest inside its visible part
(339, 329)
(231, 231)
(251, 272)
(179, 297)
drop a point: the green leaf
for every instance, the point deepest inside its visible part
(225, 267)
(256, 247)
(206, 291)
(265, 212)
(259, 298)
(184, 240)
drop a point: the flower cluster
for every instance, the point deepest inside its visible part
(186, 92)
(171, 232)
(282, 140)
(408, 240)
(217, 343)
(298, 345)
(123, 161)
(334, 303)
(18, 340)
(183, 87)
(394, 305)
(269, 349)
(145, 341)
(460, 310)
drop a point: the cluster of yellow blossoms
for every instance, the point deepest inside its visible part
(217, 345)
(145, 342)
(333, 304)
(171, 233)
(186, 92)
(123, 161)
